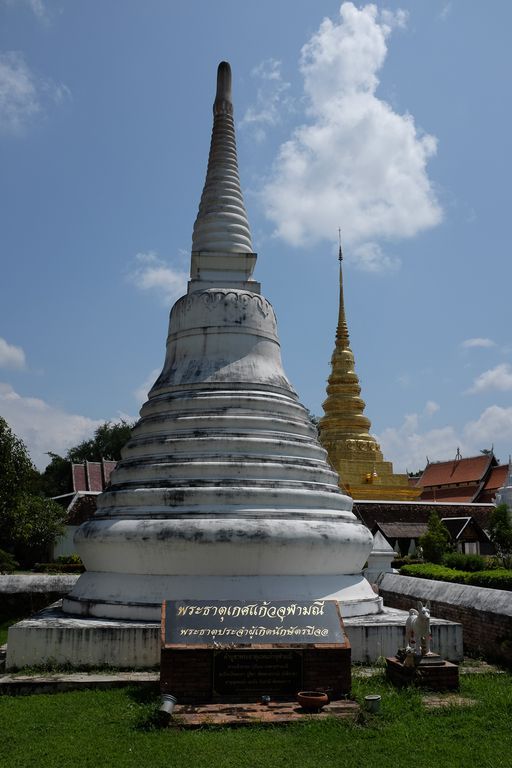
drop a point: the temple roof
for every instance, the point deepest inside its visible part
(458, 470)
(92, 475)
(371, 512)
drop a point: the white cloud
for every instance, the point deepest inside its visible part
(408, 445)
(369, 257)
(37, 7)
(499, 378)
(431, 407)
(41, 426)
(141, 393)
(11, 356)
(478, 342)
(492, 426)
(356, 163)
(446, 10)
(23, 95)
(271, 100)
(153, 273)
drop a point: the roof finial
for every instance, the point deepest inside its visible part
(342, 328)
(223, 101)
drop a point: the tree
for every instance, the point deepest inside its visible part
(500, 533)
(16, 469)
(106, 443)
(109, 438)
(16, 475)
(28, 522)
(436, 541)
(35, 524)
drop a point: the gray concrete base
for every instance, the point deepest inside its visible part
(52, 637)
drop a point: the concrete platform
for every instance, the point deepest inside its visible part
(18, 685)
(278, 712)
(51, 637)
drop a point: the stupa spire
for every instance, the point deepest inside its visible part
(344, 408)
(221, 241)
(342, 328)
(345, 430)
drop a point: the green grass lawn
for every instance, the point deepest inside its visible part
(114, 728)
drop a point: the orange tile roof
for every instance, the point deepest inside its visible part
(470, 470)
(464, 495)
(496, 478)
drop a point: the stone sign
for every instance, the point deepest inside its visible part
(257, 672)
(218, 623)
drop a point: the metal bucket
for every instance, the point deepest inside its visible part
(372, 703)
(168, 703)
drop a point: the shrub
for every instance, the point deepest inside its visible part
(436, 541)
(7, 562)
(462, 562)
(500, 533)
(72, 559)
(58, 568)
(398, 562)
(501, 578)
(432, 571)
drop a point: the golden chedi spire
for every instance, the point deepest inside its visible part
(345, 431)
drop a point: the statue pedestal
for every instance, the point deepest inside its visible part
(434, 673)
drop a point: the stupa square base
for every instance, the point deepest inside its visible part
(52, 636)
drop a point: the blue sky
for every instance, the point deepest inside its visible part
(391, 121)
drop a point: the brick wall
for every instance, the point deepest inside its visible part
(485, 614)
(188, 673)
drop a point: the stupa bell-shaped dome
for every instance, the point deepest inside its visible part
(223, 490)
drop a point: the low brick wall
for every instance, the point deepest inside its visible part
(485, 614)
(24, 594)
(188, 673)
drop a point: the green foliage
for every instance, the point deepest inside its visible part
(28, 522)
(17, 473)
(462, 562)
(500, 533)
(7, 562)
(497, 579)
(108, 440)
(501, 578)
(35, 523)
(56, 478)
(436, 541)
(432, 571)
(72, 559)
(406, 560)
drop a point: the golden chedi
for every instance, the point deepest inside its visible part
(345, 431)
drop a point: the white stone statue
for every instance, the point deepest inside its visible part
(417, 627)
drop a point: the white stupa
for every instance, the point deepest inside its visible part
(223, 491)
